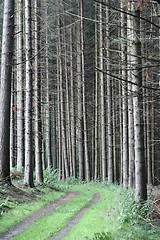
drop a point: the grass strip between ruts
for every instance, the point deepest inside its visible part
(49, 225)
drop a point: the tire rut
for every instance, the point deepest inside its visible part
(64, 231)
(27, 222)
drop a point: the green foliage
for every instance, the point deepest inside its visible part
(132, 212)
(51, 179)
(101, 236)
(50, 176)
(17, 174)
(115, 216)
(134, 218)
(128, 210)
(4, 205)
(74, 181)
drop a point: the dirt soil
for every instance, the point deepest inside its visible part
(27, 222)
(17, 193)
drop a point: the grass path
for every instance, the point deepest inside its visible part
(27, 222)
(111, 218)
(101, 217)
(50, 225)
(22, 203)
(88, 216)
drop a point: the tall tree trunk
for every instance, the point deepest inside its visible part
(124, 97)
(140, 173)
(109, 102)
(5, 90)
(20, 100)
(47, 109)
(130, 108)
(64, 143)
(28, 174)
(38, 124)
(121, 132)
(115, 179)
(73, 123)
(59, 117)
(148, 124)
(96, 98)
(79, 93)
(87, 167)
(103, 142)
(153, 135)
(12, 125)
(53, 131)
(148, 149)
(67, 110)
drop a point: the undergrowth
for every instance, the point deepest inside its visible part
(17, 175)
(133, 212)
(5, 205)
(50, 176)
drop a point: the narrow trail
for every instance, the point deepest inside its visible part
(64, 231)
(27, 222)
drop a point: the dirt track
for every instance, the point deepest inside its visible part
(27, 222)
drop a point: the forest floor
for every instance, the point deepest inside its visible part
(78, 212)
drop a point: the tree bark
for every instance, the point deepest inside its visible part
(87, 167)
(64, 143)
(79, 93)
(5, 89)
(59, 118)
(28, 174)
(130, 108)
(67, 110)
(109, 105)
(47, 107)
(73, 122)
(20, 84)
(131, 139)
(12, 125)
(96, 97)
(124, 97)
(103, 142)
(140, 170)
(38, 123)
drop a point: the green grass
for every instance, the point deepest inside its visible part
(18, 211)
(48, 226)
(100, 217)
(102, 221)
(114, 217)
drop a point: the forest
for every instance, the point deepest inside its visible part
(80, 93)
